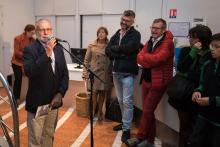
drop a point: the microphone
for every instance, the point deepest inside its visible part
(60, 40)
(57, 39)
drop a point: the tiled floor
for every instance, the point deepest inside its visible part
(72, 130)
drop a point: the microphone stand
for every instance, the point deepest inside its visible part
(91, 77)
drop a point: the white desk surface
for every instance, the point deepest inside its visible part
(74, 73)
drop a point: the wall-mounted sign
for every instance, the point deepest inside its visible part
(173, 13)
(179, 29)
(198, 21)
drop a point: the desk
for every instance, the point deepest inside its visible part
(75, 74)
(76, 85)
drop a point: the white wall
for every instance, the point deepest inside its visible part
(62, 23)
(92, 22)
(146, 12)
(95, 13)
(90, 25)
(1, 39)
(188, 10)
(16, 14)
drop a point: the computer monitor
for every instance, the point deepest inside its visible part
(80, 54)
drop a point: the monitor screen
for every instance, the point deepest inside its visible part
(80, 54)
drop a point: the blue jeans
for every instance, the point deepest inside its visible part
(124, 88)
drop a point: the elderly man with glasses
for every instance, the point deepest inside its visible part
(46, 68)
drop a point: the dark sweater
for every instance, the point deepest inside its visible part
(189, 57)
(189, 64)
(210, 87)
(124, 56)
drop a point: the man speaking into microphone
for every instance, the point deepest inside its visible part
(46, 68)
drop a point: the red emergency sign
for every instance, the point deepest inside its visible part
(173, 13)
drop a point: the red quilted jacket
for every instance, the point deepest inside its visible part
(160, 61)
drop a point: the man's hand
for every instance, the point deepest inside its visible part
(57, 101)
(49, 46)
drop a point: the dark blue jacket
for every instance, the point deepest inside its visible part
(124, 56)
(44, 84)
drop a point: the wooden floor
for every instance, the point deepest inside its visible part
(72, 130)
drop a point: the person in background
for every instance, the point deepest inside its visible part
(20, 42)
(122, 51)
(98, 62)
(46, 69)
(156, 59)
(195, 55)
(206, 132)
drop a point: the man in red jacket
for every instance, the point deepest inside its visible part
(156, 59)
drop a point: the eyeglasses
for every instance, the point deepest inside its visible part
(214, 46)
(126, 20)
(190, 37)
(155, 28)
(45, 30)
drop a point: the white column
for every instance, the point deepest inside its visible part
(77, 25)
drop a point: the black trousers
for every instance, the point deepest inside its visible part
(187, 121)
(18, 80)
(205, 134)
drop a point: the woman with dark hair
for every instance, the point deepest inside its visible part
(98, 62)
(190, 62)
(20, 42)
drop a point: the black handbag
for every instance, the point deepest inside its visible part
(113, 111)
(180, 90)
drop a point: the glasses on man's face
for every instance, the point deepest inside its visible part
(155, 28)
(45, 30)
(126, 20)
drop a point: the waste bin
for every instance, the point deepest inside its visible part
(82, 104)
